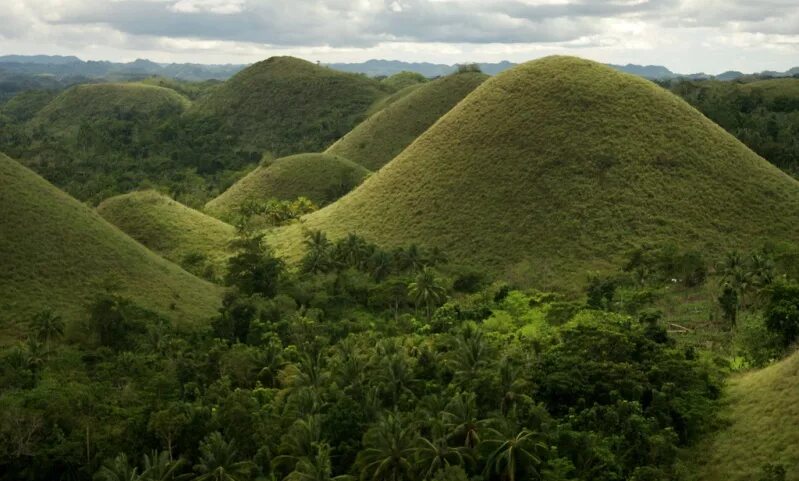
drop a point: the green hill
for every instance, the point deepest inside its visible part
(181, 234)
(58, 253)
(108, 101)
(560, 166)
(322, 178)
(385, 134)
(763, 412)
(285, 105)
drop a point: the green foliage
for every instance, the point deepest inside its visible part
(253, 269)
(401, 80)
(782, 311)
(764, 114)
(386, 133)
(540, 203)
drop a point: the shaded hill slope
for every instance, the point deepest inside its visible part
(559, 166)
(322, 178)
(179, 233)
(285, 105)
(385, 134)
(58, 253)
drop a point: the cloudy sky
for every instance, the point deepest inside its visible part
(684, 35)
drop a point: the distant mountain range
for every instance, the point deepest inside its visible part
(70, 66)
(653, 72)
(65, 67)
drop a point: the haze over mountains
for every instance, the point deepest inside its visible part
(71, 66)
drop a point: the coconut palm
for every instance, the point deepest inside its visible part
(300, 441)
(159, 467)
(118, 469)
(316, 467)
(462, 421)
(432, 455)
(427, 290)
(512, 454)
(388, 450)
(219, 461)
(470, 353)
(317, 257)
(47, 326)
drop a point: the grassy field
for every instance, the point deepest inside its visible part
(377, 140)
(124, 101)
(59, 253)
(762, 409)
(322, 178)
(560, 166)
(169, 228)
(284, 105)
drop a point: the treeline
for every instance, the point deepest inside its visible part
(382, 364)
(767, 122)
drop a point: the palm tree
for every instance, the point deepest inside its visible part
(219, 461)
(118, 469)
(436, 454)
(159, 467)
(47, 326)
(512, 454)
(353, 251)
(427, 290)
(380, 265)
(388, 450)
(462, 420)
(317, 257)
(469, 354)
(300, 441)
(315, 467)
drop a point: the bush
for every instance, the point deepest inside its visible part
(782, 311)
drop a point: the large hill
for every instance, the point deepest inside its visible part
(386, 133)
(285, 105)
(58, 253)
(110, 101)
(559, 166)
(181, 234)
(322, 178)
(763, 412)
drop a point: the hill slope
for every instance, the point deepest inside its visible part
(170, 229)
(560, 165)
(322, 178)
(385, 134)
(56, 252)
(763, 409)
(123, 101)
(285, 105)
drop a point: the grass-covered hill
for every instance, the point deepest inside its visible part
(108, 101)
(385, 134)
(763, 412)
(284, 105)
(322, 178)
(59, 253)
(179, 233)
(559, 166)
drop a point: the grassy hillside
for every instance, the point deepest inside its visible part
(120, 101)
(322, 178)
(559, 166)
(763, 411)
(285, 105)
(181, 234)
(385, 134)
(58, 253)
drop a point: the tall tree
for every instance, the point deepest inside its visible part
(427, 290)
